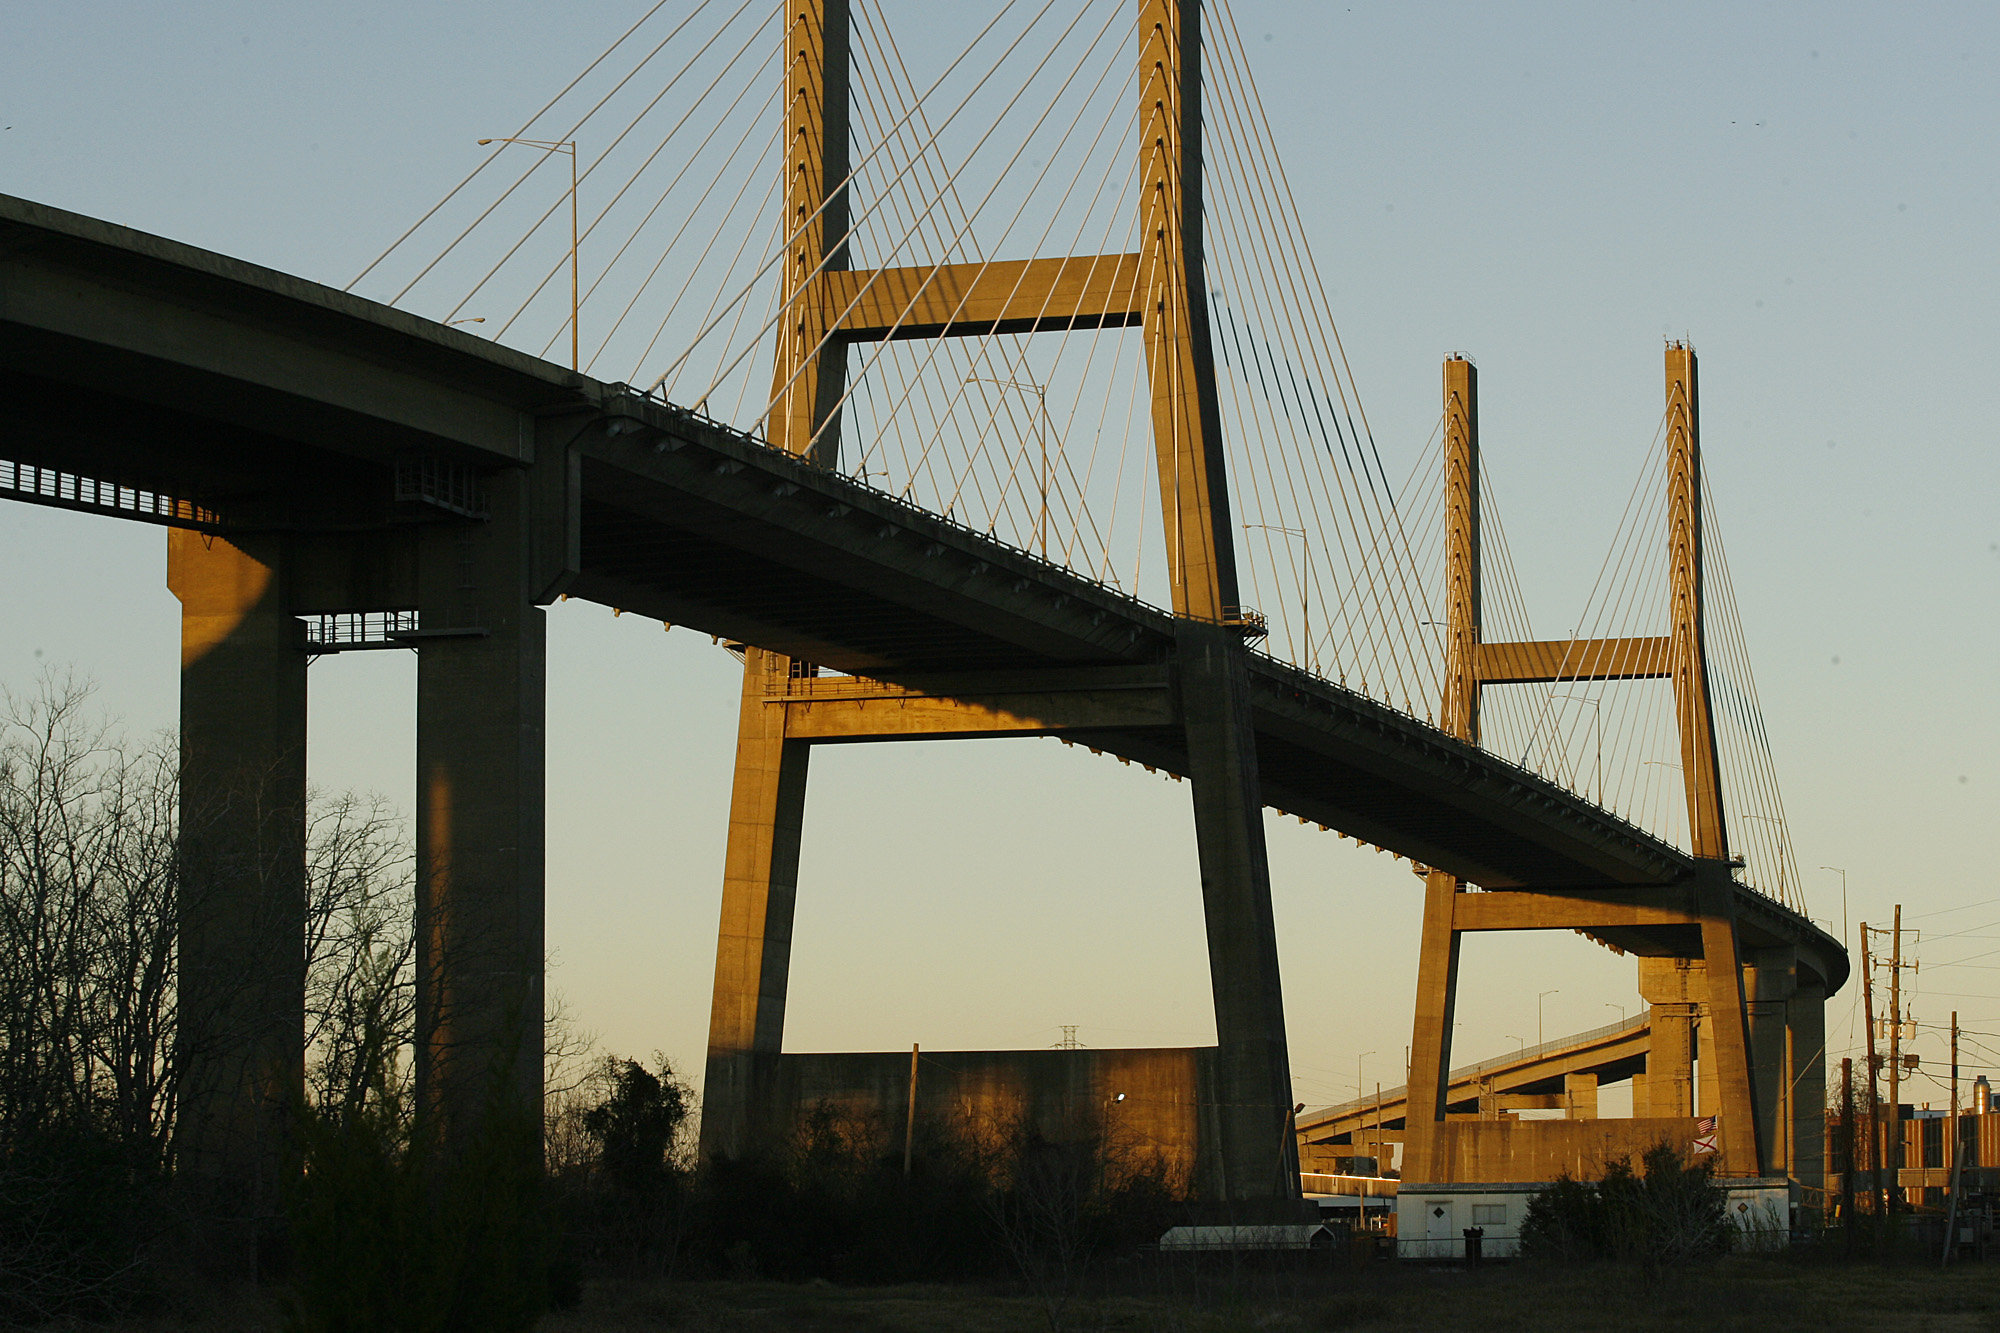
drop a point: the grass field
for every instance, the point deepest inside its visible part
(1735, 1294)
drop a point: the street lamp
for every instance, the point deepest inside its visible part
(1538, 1012)
(1305, 604)
(1596, 736)
(562, 146)
(1619, 1007)
(1041, 393)
(1843, 899)
(1523, 1042)
(1361, 1092)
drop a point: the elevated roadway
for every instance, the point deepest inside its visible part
(259, 402)
(1533, 1076)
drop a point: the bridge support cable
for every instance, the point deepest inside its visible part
(1627, 605)
(980, 307)
(570, 135)
(1757, 824)
(797, 223)
(718, 179)
(522, 132)
(694, 154)
(1330, 478)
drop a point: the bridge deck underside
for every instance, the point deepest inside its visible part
(171, 367)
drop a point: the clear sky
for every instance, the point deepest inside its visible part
(1807, 191)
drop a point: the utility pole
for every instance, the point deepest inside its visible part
(1957, 1153)
(1874, 1113)
(1895, 1145)
(1954, 1091)
(910, 1115)
(1847, 1132)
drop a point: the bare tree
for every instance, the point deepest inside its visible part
(359, 955)
(88, 881)
(1058, 1199)
(93, 1016)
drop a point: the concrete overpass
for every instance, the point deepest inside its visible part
(1535, 1078)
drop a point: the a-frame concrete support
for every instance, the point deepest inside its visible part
(1161, 289)
(1729, 1035)
(1437, 958)
(753, 951)
(767, 800)
(1747, 1037)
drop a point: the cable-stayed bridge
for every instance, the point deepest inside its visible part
(998, 399)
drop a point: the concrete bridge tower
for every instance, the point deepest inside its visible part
(1161, 290)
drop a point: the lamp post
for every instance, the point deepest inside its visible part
(1619, 1007)
(1596, 737)
(1041, 393)
(1538, 1012)
(1360, 1090)
(1305, 604)
(563, 146)
(1843, 899)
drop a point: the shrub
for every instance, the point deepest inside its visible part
(1669, 1212)
(392, 1235)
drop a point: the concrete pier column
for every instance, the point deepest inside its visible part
(753, 951)
(1805, 1062)
(1258, 1160)
(1580, 1096)
(1430, 1037)
(242, 908)
(1669, 986)
(1770, 980)
(1726, 1030)
(480, 774)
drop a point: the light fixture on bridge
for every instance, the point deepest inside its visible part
(562, 146)
(1842, 872)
